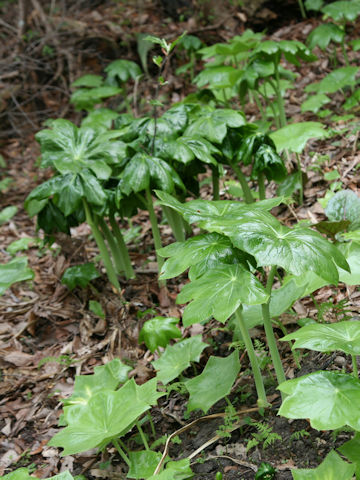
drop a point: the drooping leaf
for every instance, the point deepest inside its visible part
(14, 271)
(7, 213)
(120, 71)
(336, 80)
(79, 275)
(100, 420)
(158, 331)
(143, 463)
(344, 336)
(267, 161)
(344, 10)
(328, 399)
(294, 137)
(177, 358)
(314, 103)
(344, 205)
(214, 383)
(322, 35)
(219, 292)
(332, 468)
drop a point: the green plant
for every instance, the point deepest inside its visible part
(79, 275)
(16, 270)
(264, 436)
(158, 331)
(331, 468)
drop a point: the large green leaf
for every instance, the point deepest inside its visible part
(214, 383)
(121, 71)
(267, 161)
(143, 463)
(344, 336)
(14, 271)
(332, 468)
(336, 80)
(107, 415)
(213, 124)
(178, 357)
(351, 450)
(218, 77)
(219, 292)
(342, 10)
(328, 399)
(208, 250)
(344, 205)
(351, 252)
(294, 137)
(158, 331)
(87, 98)
(325, 33)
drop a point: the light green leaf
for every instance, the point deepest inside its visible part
(100, 119)
(122, 71)
(213, 124)
(218, 77)
(344, 336)
(143, 463)
(14, 271)
(7, 213)
(336, 80)
(219, 292)
(353, 101)
(342, 10)
(23, 474)
(325, 33)
(344, 205)
(178, 357)
(87, 98)
(179, 470)
(214, 383)
(100, 420)
(332, 468)
(314, 4)
(20, 245)
(314, 103)
(90, 81)
(96, 308)
(351, 252)
(351, 450)
(294, 137)
(158, 331)
(79, 275)
(328, 399)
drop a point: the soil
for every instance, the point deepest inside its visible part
(43, 324)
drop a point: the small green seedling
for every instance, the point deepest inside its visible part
(80, 275)
(158, 331)
(14, 271)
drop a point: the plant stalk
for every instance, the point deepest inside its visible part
(261, 183)
(104, 253)
(215, 182)
(155, 232)
(280, 100)
(121, 452)
(129, 271)
(355, 367)
(259, 384)
(301, 193)
(142, 435)
(244, 185)
(302, 8)
(175, 222)
(119, 264)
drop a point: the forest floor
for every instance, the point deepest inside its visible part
(48, 334)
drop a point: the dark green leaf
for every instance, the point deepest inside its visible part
(267, 161)
(79, 275)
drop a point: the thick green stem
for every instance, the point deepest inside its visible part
(121, 452)
(175, 222)
(215, 182)
(274, 352)
(280, 100)
(259, 384)
(129, 271)
(261, 183)
(302, 8)
(155, 231)
(301, 192)
(355, 367)
(142, 435)
(152, 426)
(104, 253)
(119, 264)
(260, 107)
(244, 185)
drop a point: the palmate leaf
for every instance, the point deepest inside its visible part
(328, 399)
(294, 137)
(344, 205)
(322, 35)
(344, 336)
(158, 331)
(336, 80)
(14, 271)
(100, 420)
(120, 71)
(213, 124)
(79, 275)
(200, 253)
(332, 468)
(342, 10)
(213, 383)
(218, 77)
(178, 357)
(185, 149)
(297, 251)
(267, 161)
(219, 292)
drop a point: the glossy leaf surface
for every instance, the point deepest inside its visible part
(213, 124)
(351, 450)
(178, 357)
(294, 137)
(342, 10)
(143, 463)
(328, 399)
(213, 383)
(79, 275)
(332, 468)
(158, 331)
(219, 292)
(14, 271)
(344, 205)
(344, 336)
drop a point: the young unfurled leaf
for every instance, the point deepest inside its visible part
(294, 137)
(79, 275)
(219, 292)
(342, 11)
(344, 336)
(213, 383)
(208, 250)
(143, 463)
(340, 78)
(14, 271)
(158, 331)
(177, 358)
(328, 399)
(322, 35)
(344, 205)
(100, 420)
(332, 468)
(120, 71)
(267, 161)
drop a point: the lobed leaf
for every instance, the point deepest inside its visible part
(332, 468)
(294, 137)
(158, 331)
